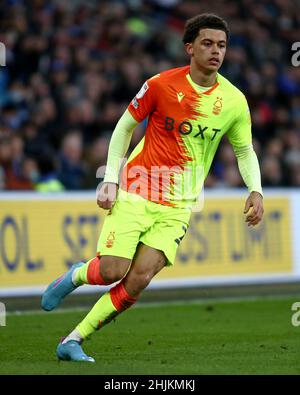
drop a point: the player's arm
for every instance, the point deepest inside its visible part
(250, 172)
(140, 107)
(118, 147)
(241, 139)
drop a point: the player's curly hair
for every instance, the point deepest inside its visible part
(203, 21)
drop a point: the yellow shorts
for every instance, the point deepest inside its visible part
(134, 219)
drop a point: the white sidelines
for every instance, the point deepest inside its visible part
(279, 278)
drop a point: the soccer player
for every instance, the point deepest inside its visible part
(189, 109)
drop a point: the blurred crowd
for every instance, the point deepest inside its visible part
(72, 68)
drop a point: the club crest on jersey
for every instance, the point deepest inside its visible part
(110, 240)
(218, 104)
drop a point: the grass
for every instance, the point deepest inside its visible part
(218, 337)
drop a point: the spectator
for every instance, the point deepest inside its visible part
(75, 66)
(71, 169)
(47, 180)
(271, 172)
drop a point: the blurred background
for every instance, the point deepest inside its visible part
(228, 304)
(72, 68)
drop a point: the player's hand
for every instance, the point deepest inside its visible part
(254, 208)
(107, 195)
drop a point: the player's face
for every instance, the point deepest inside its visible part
(208, 49)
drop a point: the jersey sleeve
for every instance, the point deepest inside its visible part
(118, 146)
(144, 103)
(249, 168)
(240, 134)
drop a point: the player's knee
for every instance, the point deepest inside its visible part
(153, 266)
(113, 269)
(144, 274)
(111, 274)
(141, 281)
(160, 262)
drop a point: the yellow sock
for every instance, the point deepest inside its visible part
(80, 275)
(107, 308)
(102, 313)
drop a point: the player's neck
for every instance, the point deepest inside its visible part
(201, 78)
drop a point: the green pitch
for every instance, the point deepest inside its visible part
(219, 337)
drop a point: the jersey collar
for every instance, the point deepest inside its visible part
(196, 86)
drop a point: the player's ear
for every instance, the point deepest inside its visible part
(189, 48)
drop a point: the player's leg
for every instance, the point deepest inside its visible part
(119, 238)
(116, 246)
(101, 270)
(158, 248)
(146, 264)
